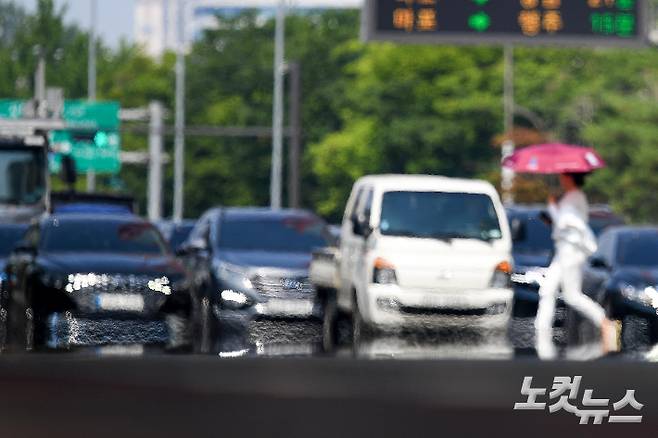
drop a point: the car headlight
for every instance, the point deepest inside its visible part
(52, 280)
(533, 276)
(645, 295)
(233, 300)
(235, 277)
(502, 277)
(384, 272)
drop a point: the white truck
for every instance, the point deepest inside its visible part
(417, 249)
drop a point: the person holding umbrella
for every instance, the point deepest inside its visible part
(574, 241)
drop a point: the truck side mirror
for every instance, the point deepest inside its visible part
(361, 225)
(356, 225)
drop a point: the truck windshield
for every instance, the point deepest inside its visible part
(439, 215)
(22, 176)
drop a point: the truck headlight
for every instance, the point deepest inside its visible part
(384, 272)
(502, 277)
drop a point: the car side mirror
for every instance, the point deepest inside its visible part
(192, 246)
(598, 262)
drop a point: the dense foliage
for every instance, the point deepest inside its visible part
(366, 108)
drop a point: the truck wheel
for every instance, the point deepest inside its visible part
(361, 330)
(205, 327)
(329, 316)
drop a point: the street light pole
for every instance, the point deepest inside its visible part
(507, 175)
(91, 77)
(277, 108)
(179, 141)
(295, 138)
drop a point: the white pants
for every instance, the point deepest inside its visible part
(566, 270)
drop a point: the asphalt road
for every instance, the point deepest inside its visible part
(174, 395)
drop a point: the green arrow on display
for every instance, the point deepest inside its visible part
(480, 21)
(481, 2)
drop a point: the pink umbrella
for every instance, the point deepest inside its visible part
(554, 158)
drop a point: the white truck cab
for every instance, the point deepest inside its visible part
(418, 248)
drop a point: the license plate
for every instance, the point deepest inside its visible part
(120, 302)
(289, 307)
(446, 302)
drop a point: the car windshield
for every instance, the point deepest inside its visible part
(638, 249)
(103, 236)
(22, 179)
(534, 236)
(439, 215)
(9, 236)
(288, 234)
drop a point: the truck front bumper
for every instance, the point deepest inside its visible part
(391, 305)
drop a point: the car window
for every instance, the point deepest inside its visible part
(366, 207)
(606, 247)
(351, 209)
(535, 234)
(439, 215)
(103, 236)
(638, 249)
(201, 231)
(287, 234)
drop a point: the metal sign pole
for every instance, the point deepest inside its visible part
(155, 162)
(507, 175)
(91, 79)
(277, 108)
(179, 141)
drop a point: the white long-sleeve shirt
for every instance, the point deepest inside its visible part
(570, 218)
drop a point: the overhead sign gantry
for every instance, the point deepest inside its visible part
(560, 22)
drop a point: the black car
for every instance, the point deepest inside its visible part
(92, 266)
(251, 264)
(623, 277)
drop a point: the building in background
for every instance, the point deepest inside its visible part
(156, 20)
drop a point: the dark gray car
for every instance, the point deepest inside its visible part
(251, 265)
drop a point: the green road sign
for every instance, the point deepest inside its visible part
(11, 109)
(92, 135)
(91, 115)
(98, 151)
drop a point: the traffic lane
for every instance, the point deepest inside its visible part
(268, 337)
(107, 335)
(303, 338)
(203, 396)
